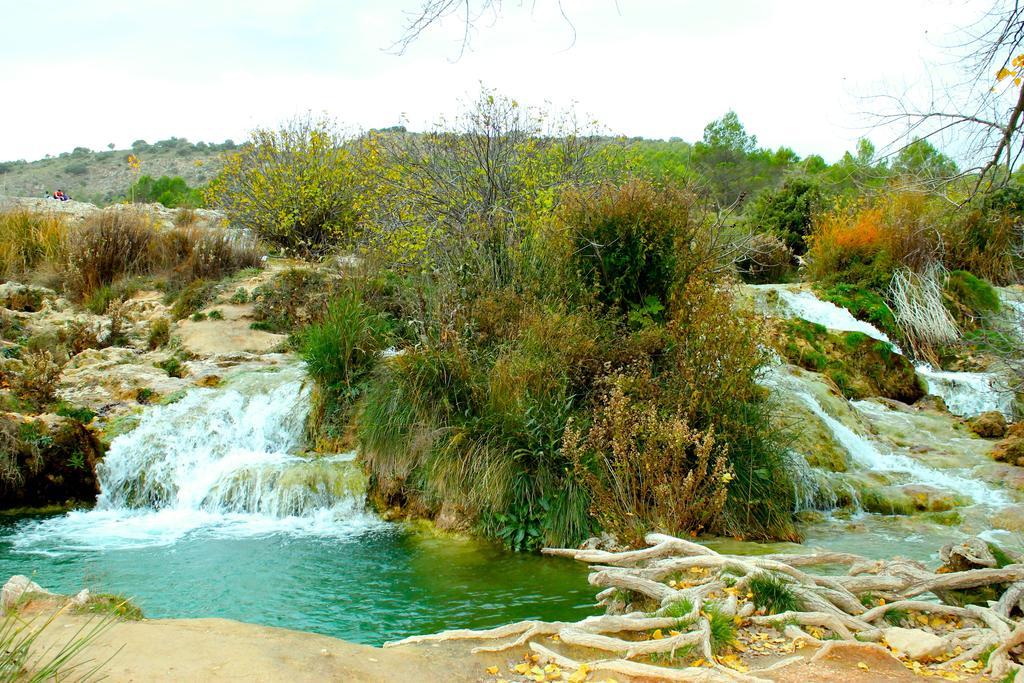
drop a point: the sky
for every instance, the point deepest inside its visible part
(798, 73)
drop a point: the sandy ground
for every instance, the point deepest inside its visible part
(225, 650)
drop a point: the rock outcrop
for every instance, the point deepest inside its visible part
(46, 460)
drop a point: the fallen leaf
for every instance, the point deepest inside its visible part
(862, 665)
(492, 670)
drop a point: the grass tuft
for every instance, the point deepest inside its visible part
(774, 593)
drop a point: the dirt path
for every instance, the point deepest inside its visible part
(225, 650)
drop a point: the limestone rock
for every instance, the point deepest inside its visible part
(991, 425)
(24, 298)
(15, 587)
(1011, 449)
(914, 644)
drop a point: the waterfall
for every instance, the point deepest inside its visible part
(803, 304)
(968, 393)
(866, 454)
(225, 461)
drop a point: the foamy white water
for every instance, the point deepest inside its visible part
(867, 455)
(806, 305)
(222, 462)
(968, 394)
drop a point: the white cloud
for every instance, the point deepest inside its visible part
(106, 71)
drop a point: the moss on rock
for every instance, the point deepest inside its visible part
(46, 460)
(859, 365)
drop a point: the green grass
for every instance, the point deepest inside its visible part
(1002, 558)
(80, 413)
(111, 604)
(896, 617)
(192, 298)
(680, 611)
(977, 295)
(864, 304)
(774, 593)
(22, 661)
(173, 366)
(159, 333)
(723, 628)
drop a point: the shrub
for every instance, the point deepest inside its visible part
(848, 245)
(341, 349)
(765, 259)
(159, 333)
(787, 212)
(217, 253)
(171, 192)
(715, 356)
(196, 295)
(291, 187)
(863, 243)
(648, 470)
(109, 245)
(36, 381)
(986, 237)
(28, 239)
(293, 298)
(185, 217)
(77, 336)
(628, 241)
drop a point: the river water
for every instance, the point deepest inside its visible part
(210, 508)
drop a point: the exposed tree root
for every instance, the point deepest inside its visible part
(676, 589)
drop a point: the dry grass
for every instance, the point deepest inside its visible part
(28, 239)
(115, 244)
(109, 245)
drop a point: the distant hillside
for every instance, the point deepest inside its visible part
(103, 177)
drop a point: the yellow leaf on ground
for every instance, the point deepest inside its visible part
(492, 670)
(862, 666)
(657, 635)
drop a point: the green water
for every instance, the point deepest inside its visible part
(374, 585)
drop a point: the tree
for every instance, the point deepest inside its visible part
(469, 12)
(729, 159)
(293, 187)
(729, 134)
(920, 159)
(985, 110)
(787, 212)
(464, 197)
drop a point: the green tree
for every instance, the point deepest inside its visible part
(787, 211)
(921, 159)
(293, 187)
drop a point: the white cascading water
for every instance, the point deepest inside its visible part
(803, 304)
(867, 455)
(221, 461)
(966, 394)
